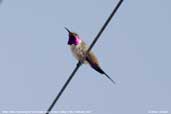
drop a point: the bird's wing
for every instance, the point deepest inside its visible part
(92, 59)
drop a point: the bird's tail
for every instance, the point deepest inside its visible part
(98, 69)
(109, 78)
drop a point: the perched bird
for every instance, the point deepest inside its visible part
(79, 49)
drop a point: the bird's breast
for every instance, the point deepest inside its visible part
(78, 52)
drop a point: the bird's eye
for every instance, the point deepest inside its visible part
(75, 34)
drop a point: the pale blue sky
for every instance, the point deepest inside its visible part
(135, 50)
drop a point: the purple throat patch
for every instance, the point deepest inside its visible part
(74, 40)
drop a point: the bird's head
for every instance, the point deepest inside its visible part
(73, 38)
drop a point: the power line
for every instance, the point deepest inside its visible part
(105, 24)
(79, 63)
(63, 88)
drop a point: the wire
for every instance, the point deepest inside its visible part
(63, 88)
(79, 63)
(105, 24)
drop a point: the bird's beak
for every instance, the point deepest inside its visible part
(67, 30)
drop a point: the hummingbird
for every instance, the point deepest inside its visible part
(79, 50)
